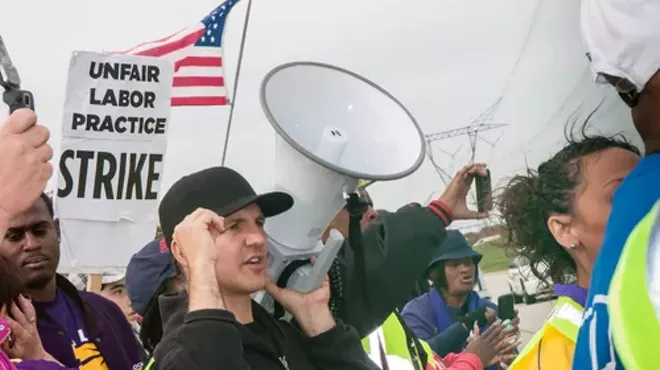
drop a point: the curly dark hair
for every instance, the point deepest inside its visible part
(528, 200)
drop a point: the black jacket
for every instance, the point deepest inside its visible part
(213, 339)
(397, 250)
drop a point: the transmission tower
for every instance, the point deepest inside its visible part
(472, 132)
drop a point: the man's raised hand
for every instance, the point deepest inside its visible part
(455, 195)
(194, 247)
(309, 309)
(24, 166)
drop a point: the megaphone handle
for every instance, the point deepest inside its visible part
(314, 279)
(324, 260)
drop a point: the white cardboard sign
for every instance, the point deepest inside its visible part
(114, 139)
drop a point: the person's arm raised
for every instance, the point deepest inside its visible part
(404, 241)
(210, 334)
(24, 167)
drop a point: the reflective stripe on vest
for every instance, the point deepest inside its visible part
(150, 363)
(394, 362)
(393, 338)
(565, 317)
(633, 296)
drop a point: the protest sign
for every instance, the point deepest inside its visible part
(114, 139)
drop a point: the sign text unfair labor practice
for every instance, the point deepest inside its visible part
(114, 138)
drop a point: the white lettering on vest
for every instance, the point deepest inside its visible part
(81, 335)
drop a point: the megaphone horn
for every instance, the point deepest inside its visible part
(336, 131)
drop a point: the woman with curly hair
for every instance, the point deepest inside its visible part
(556, 218)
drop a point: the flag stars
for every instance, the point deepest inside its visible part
(215, 26)
(203, 38)
(208, 32)
(212, 39)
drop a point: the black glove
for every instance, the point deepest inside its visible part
(478, 315)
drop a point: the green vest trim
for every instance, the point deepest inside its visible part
(150, 364)
(394, 342)
(565, 317)
(633, 319)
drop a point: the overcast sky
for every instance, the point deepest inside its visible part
(445, 60)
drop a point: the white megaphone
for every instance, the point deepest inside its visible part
(334, 128)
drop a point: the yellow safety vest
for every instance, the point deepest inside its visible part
(565, 318)
(391, 337)
(633, 314)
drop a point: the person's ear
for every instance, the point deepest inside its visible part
(561, 229)
(178, 254)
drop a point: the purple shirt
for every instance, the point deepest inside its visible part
(65, 312)
(70, 317)
(420, 315)
(86, 331)
(572, 291)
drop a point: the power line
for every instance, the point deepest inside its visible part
(473, 129)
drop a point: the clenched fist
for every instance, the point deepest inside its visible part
(24, 167)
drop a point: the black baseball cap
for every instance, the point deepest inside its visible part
(219, 189)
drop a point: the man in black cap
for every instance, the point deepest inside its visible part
(214, 223)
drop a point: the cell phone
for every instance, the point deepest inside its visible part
(505, 307)
(484, 193)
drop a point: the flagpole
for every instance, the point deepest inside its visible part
(232, 102)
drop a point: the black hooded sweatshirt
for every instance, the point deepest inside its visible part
(213, 339)
(396, 251)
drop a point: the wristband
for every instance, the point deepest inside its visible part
(445, 208)
(440, 209)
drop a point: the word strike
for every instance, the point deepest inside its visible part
(125, 171)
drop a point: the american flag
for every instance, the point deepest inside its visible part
(197, 55)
